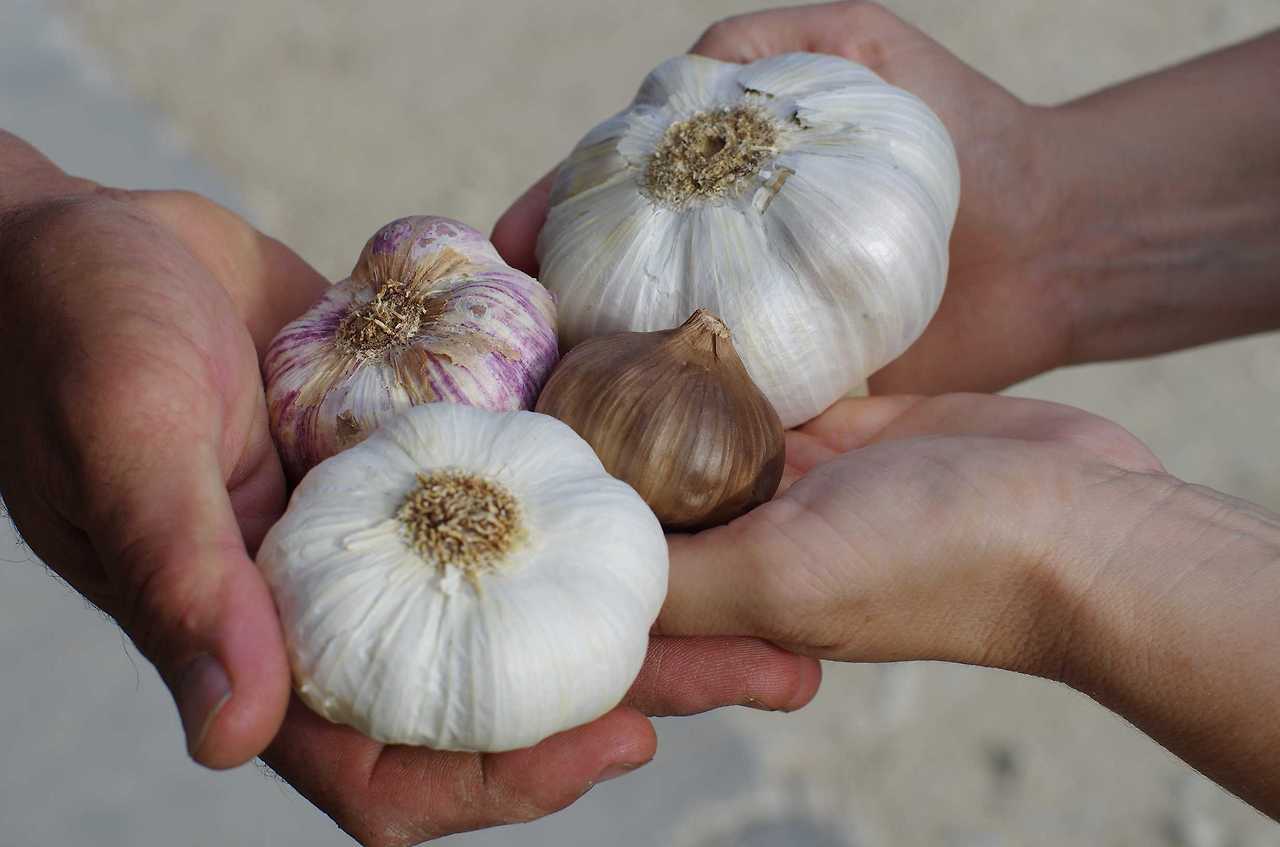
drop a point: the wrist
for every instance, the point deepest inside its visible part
(1146, 559)
(1172, 625)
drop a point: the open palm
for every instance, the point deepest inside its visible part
(913, 528)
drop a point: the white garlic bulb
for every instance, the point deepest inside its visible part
(430, 313)
(465, 580)
(801, 198)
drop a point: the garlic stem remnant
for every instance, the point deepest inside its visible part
(711, 155)
(393, 317)
(801, 198)
(430, 313)
(675, 415)
(465, 579)
(455, 518)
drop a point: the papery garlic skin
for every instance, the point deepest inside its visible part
(485, 337)
(828, 257)
(410, 651)
(675, 415)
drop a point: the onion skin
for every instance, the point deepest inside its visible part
(675, 415)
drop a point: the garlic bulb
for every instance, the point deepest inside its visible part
(674, 415)
(801, 198)
(430, 313)
(465, 580)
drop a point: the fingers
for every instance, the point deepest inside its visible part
(387, 796)
(686, 676)
(515, 235)
(746, 38)
(857, 422)
(838, 28)
(1002, 417)
(397, 795)
(191, 599)
(149, 401)
(847, 425)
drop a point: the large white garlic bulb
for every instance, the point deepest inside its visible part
(801, 198)
(465, 580)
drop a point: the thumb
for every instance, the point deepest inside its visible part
(192, 600)
(721, 583)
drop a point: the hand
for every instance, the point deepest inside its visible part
(1000, 320)
(1020, 535)
(916, 528)
(140, 468)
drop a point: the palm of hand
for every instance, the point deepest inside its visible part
(894, 515)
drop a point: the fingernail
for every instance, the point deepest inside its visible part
(616, 770)
(202, 689)
(753, 703)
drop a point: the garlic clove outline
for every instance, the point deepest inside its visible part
(457, 653)
(675, 415)
(429, 313)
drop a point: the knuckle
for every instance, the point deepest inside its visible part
(449, 800)
(180, 201)
(163, 600)
(720, 33)
(119, 195)
(504, 803)
(867, 14)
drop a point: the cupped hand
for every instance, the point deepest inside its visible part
(139, 466)
(917, 528)
(1001, 318)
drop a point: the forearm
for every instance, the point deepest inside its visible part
(1177, 628)
(1166, 223)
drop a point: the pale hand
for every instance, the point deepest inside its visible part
(1021, 535)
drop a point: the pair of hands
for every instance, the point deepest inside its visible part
(140, 466)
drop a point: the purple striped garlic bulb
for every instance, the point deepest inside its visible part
(430, 313)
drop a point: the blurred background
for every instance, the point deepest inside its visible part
(323, 120)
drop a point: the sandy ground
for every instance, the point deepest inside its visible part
(322, 121)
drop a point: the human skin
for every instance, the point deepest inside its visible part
(1134, 221)
(1014, 534)
(1010, 533)
(138, 466)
